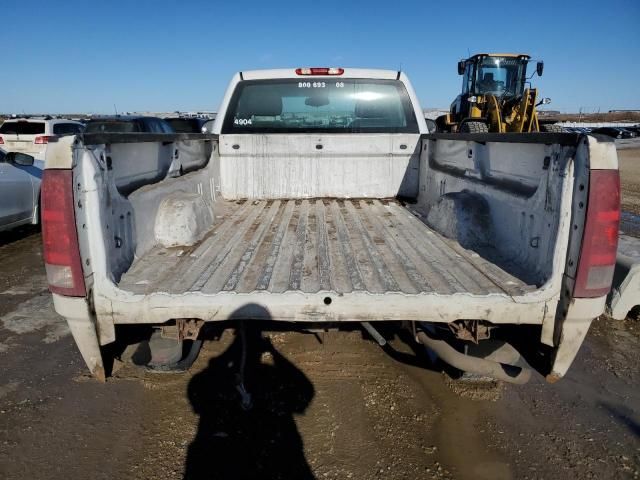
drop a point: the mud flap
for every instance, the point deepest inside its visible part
(573, 334)
(82, 326)
(84, 333)
(580, 314)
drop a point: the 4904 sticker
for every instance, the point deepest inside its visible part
(242, 121)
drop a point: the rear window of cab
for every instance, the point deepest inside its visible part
(317, 105)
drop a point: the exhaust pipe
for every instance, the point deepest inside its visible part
(480, 366)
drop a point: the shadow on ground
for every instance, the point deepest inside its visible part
(624, 416)
(246, 424)
(11, 236)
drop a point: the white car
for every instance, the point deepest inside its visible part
(20, 177)
(32, 135)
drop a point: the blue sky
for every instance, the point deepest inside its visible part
(84, 56)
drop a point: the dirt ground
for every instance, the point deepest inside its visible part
(630, 179)
(630, 185)
(329, 405)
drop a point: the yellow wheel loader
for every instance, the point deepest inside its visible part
(496, 97)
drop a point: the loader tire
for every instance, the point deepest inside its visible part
(551, 128)
(474, 127)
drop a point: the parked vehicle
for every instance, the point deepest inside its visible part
(628, 132)
(614, 132)
(299, 218)
(128, 124)
(584, 130)
(187, 124)
(32, 135)
(20, 176)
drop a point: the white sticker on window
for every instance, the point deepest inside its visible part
(242, 121)
(312, 85)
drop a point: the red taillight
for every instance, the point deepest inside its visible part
(61, 251)
(600, 239)
(44, 139)
(1, 141)
(319, 71)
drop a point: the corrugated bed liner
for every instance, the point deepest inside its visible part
(319, 245)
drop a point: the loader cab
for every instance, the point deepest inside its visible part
(501, 75)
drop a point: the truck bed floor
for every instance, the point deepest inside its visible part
(319, 245)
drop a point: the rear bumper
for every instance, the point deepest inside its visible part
(71, 307)
(90, 332)
(122, 307)
(581, 312)
(83, 328)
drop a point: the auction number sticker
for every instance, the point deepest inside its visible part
(312, 85)
(242, 121)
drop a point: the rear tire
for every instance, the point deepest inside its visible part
(551, 128)
(474, 127)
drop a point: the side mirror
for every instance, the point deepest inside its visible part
(207, 127)
(20, 159)
(461, 66)
(539, 68)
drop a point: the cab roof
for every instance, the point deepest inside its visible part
(348, 73)
(512, 55)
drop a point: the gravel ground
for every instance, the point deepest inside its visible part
(325, 405)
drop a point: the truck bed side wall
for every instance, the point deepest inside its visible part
(131, 181)
(509, 202)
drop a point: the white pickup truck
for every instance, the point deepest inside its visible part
(321, 197)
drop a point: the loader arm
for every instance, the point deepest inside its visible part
(524, 118)
(494, 115)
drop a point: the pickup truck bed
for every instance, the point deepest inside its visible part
(360, 217)
(317, 245)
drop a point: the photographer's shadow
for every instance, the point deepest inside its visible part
(247, 429)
